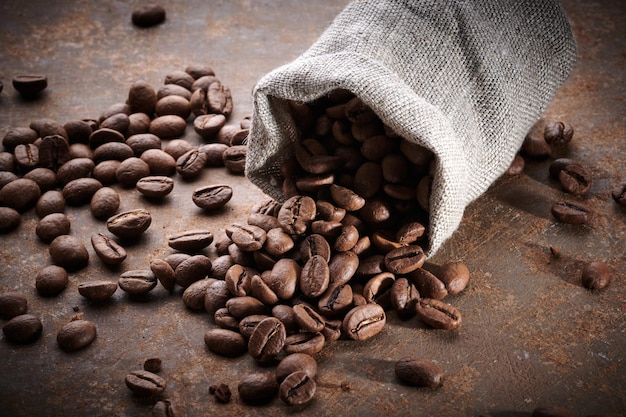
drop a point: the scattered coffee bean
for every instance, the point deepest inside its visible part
(221, 391)
(12, 304)
(571, 212)
(24, 328)
(297, 389)
(155, 186)
(21, 194)
(98, 290)
(51, 226)
(225, 342)
(257, 388)
(438, 314)
(267, 339)
(364, 321)
(76, 335)
(129, 224)
(145, 384)
(575, 179)
(596, 275)
(137, 281)
(212, 197)
(51, 280)
(296, 362)
(50, 202)
(152, 365)
(419, 372)
(190, 241)
(109, 251)
(9, 219)
(30, 85)
(69, 252)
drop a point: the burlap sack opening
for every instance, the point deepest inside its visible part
(467, 80)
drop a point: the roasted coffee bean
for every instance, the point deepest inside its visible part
(18, 136)
(214, 153)
(557, 133)
(342, 267)
(257, 388)
(384, 241)
(207, 125)
(220, 266)
(238, 280)
(307, 318)
(109, 251)
(190, 164)
(7, 161)
(328, 229)
(424, 188)
(112, 150)
(575, 179)
(454, 275)
(145, 384)
(175, 259)
(168, 126)
(557, 165)
(619, 193)
(376, 212)
(155, 186)
(131, 170)
(368, 179)
(261, 291)
(247, 237)
(78, 131)
(419, 372)
(167, 408)
(535, 145)
(6, 177)
(30, 85)
(152, 365)
(104, 135)
(25, 328)
(364, 321)
(283, 278)
(216, 296)
(378, 288)
(296, 214)
(404, 295)
(312, 245)
(212, 197)
(329, 212)
(219, 99)
(199, 70)
(173, 104)
(129, 224)
(221, 391)
(173, 90)
(314, 277)
(304, 342)
(9, 219)
(371, 265)
(98, 290)
(267, 339)
(234, 158)
(142, 98)
(191, 270)
(76, 335)
(137, 281)
(80, 191)
(278, 242)
(428, 285)
(336, 300)
(225, 320)
(141, 142)
(438, 314)
(297, 389)
(190, 241)
(193, 296)
(346, 198)
(596, 275)
(247, 324)
(104, 203)
(21, 194)
(117, 121)
(571, 212)
(164, 273)
(225, 342)
(75, 169)
(51, 226)
(198, 101)
(405, 259)
(12, 304)
(160, 162)
(69, 252)
(51, 280)
(314, 159)
(410, 233)
(114, 109)
(241, 307)
(53, 152)
(105, 172)
(358, 112)
(296, 362)
(346, 240)
(179, 77)
(177, 147)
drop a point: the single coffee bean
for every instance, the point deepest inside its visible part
(552, 411)
(80, 191)
(24, 328)
(419, 372)
(238, 280)
(98, 290)
(131, 170)
(45, 178)
(312, 245)
(6, 177)
(248, 324)
(74, 169)
(190, 164)
(575, 179)
(7, 161)
(257, 388)
(104, 135)
(332, 330)
(378, 289)
(142, 98)
(214, 153)
(336, 300)
(160, 162)
(141, 142)
(438, 314)
(261, 291)
(454, 275)
(207, 125)
(173, 104)
(304, 342)
(297, 389)
(18, 136)
(221, 391)
(342, 267)
(51, 226)
(152, 365)
(557, 133)
(571, 212)
(167, 408)
(404, 295)
(225, 342)
(145, 384)
(190, 241)
(212, 197)
(199, 70)
(535, 145)
(219, 98)
(267, 339)
(307, 318)
(129, 224)
(177, 147)
(78, 131)
(278, 242)
(405, 259)
(104, 203)
(296, 214)
(112, 150)
(105, 172)
(69, 252)
(234, 158)
(364, 321)
(114, 109)
(296, 362)
(12, 304)
(173, 90)
(241, 307)
(619, 194)
(9, 219)
(346, 198)
(264, 221)
(168, 126)
(76, 335)
(53, 152)
(191, 270)
(225, 320)
(155, 186)
(164, 272)
(596, 275)
(428, 285)
(247, 237)
(557, 165)
(198, 100)
(51, 280)
(179, 77)
(21, 194)
(109, 251)
(410, 233)
(216, 296)
(30, 85)
(283, 278)
(314, 277)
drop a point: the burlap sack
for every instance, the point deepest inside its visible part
(466, 79)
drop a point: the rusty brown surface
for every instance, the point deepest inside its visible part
(531, 334)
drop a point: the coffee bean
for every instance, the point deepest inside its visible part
(378, 289)
(238, 280)
(76, 335)
(403, 296)
(159, 162)
(131, 170)
(419, 372)
(405, 259)
(109, 251)
(179, 77)
(112, 150)
(304, 342)
(296, 362)
(438, 314)
(129, 224)
(336, 300)
(30, 85)
(78, 131)
(53, 152)
(257, 388)
(364, 321)
(164, 273)
(51, 280)
(234, 158)
(535, 145)
(145, 384)
(51, 226)
(45, 178)
(98, 290)
(173, 104)
(190, 164)
(191, 270)
(104, 203)
(80, 191)
(18, 136)
(167, 408)
(207, 125)
(24, 328)
(221, 391)
(142, 99)
(105, 172)
(571, 212)
(193, 296)
(241, 307)
(212, 197)
(69, 252)
(12, 304)
(225, 320)
(225, 342)
(155, 186)
(517, 165)
(297, 389)
(596, 275)
(247, 324)
(342, 267)
(214, 153)
(21, 194)
(74, 169)
(575, 179)
(296, 214)
(312, 245)
(454, 275)
(190, 241)
(138, 123)
(216, 296)
(152, 365)
(168, 127)
(7, 161)
(314, 277)
(6, 177)
(267, 339)
(104, 135)
(428, 285)
(557, 132)
(141, 142)
(247, 237)
(9, 219)
(173, 89)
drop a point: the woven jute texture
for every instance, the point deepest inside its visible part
(466, 79)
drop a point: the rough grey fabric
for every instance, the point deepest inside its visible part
(466, 79)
